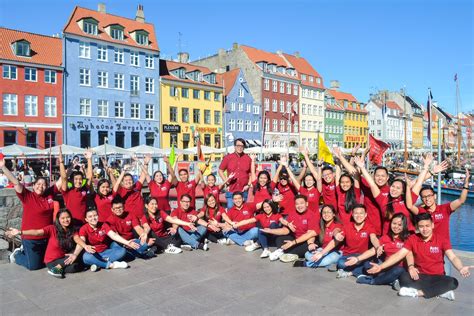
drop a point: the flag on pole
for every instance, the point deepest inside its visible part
(323, 151)
(384, 111)
(377, 149)
(455, 77)
(199, 150)
(428, 109)
(172, 158)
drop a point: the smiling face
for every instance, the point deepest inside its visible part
(117, 209)
(211, 180)
(426, 228)
(396, 189)
(359, 214)
(309, 181)
(396, 225)
(104, 188)
(263, 179)
(77, 181)
(428, 197)
(183, 176)
(267, 208)
(301, 205)
(328, 176)
(65, 219)
(92, 218)
(152, 206)
(327, 214)
(381, 177)
(238, 200)
(40, 186)
(158, 177)
(127, 182)
(185, 203)
(345, 183)
(211, 201)
(239, 147)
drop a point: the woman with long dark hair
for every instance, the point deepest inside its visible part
(348, 195)
(262, 185)
(62, 249)
(160, 186)
(104, 196)
(212, 212)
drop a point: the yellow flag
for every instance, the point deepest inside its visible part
(172, 157)
(323, 151)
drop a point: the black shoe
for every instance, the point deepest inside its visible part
(298, 264)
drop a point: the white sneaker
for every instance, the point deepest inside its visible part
(13, 254)
(288, 257)
(276, 254)
(341, 274)
(94, 268)
(186, 247)
(408, 291)
(449, 295)
(119, 265)
(265, 253)
(248, 242)
(206, 241)
(171, 249)
(229, 242)
(252, 247)
(222, 241)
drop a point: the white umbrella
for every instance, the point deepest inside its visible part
(18, 150)
(144, 149)
(66, 150)
(207, 150)
(107, 149)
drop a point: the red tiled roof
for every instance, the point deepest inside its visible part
(105, 19)
(334, 107)
(166, 66)
(45, 50)
(257, 55)
(393, 105)
(302, 66)
(229, 78)
(338, 95)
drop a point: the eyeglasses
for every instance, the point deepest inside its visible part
(185, 201)
(239, 145)
(427, 196)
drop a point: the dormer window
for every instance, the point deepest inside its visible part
(89, 26)
(116, 32)
(303, 77)
(22, 48)
(182, 73)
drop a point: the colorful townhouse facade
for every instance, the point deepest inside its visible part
(111, 89)
(191, 105)
(31, 89)
(333, 121)
(242, 114)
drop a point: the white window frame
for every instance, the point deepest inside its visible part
(135, 110)
(266, 103)
(231, 125)
(31, 105)
(85, 107)
(85, 50)
(266, 84)
(119, 109)
(249, 108)
(50, 107)
(134, 84)
(241, 107)
(102, 79)
(248, 126)
(149, 111)
(102, 53)
(149, 85)
(149, 61)
(10, 104)
(50, 76)
(119, 81)
(85, 77)
(118, 56)
(275, 105)
(9, 72)
(31, 72)
(240, 125)
(134, 59)
(256, 109)
(256, 126)
(102, 108)
(241, 92)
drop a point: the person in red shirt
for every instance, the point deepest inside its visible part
(184, 186)
(212, 212)
(285, 188)
(160, 186)
(210, 186)
(37, 213)
(236, 229)
(389, 245)
(331, 235)
(105, 195)
(62, 237)
(298, 233)
(425, 252)
(239, 164)
(100, 252)
(357, 236)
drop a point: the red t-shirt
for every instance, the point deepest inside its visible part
(440, 218)
(247, 211)
(313, 196)
(104, 205)
(262, 194)
(37, 211)
(287, 205)
(265, 221)
(214, 190)
(399, 206)
(133, 199)
(96, 237)
(240, 165)
(189, 188)
(75, 200)
(341, 208)
(356, 241)
(157, 225)
(124, 224)
(53, 250)
(179, 213)
(391, 246)
(329, 232)
(329, 193)
(374, 216)
(161, 193)
(429, 255)
(304, 222)
(213, 213)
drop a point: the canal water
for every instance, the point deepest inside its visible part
(462, 225)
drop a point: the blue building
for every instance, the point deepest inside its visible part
(242, 115)
(111, 80)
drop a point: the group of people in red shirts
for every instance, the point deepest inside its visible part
(343, 218)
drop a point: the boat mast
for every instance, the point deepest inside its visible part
(459, 120)
(405, 154)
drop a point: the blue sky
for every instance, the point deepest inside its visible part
(366, 44)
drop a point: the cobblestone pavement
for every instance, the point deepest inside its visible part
(223, 281)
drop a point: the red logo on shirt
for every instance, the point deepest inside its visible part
(245, 212)
(434, 249)
(399, 245)
(332, 187)
(190, 185)
(83, 193)
(128, 223)
(110, 197)
(438, 217)
(163, 189)
(101, 232)
(363, 235)
(305, 222)
(50, 201)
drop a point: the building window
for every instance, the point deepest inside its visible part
(282, 106)
(173, 91)
(232, 106)
(50, 76)
(49, 139)
(149, 112)
(256, 109)
(84, 50)
(196, 115)
(217, 117)
(134, 85)
(185, 92)
(22, 48)
(134, 59)
(282, 125)
(217, 96)
(85, 107)
(241, 107)
(102, 53)
(266, 84)
(173, 114)
(267, 125)
(150, 138)
(249, 108)
(84, 77)
(185, 115)
(274, 86)
(295, 89)
(30, 74)
(275, 125)
(135, 110)
(248, 126)
(207, 95)
(10, 104)
(288, 88)
(85, 139)
(231, 125)
(149, 61)
(31, 138)
(50, 107)
(256, 126)
(116, 33)
(266, 103)
(241, 92)
(119, 81)
(149, 85)
(288, 107)
(240, 125)
(9, 72)
(9, 138)
(89, 28)
(102, 137)
(118, 56)
(196, 94)
(207, 116)
(120, 139)
(102, 79)
(119, 109)
(142, 38)
(274, 105)
(282, 87)
(135, 139)
(217, 140)
(102, 108)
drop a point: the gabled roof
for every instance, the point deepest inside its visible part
(338, 95)
(166, 66)
(229, 79)
(302, 66)
(257, 55)
(394, 106)
(106, 19)
(45, 50)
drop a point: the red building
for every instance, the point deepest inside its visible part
(31, 89)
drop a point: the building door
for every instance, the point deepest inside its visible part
(85, 139)
(103, 137)
(120, 139)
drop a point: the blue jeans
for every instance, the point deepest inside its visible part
(356, 269)
(264, 239)
(230, 201)
(240, 237)
(32, 255)
(192, 238)
(385, 277)
(330, 258)
(133, 253)
(103, 259)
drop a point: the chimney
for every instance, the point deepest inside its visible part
(101, 7)
(221, 52)
(335, 84)
(140, 15)
(183, 57)
(297, 54)
(235, 45)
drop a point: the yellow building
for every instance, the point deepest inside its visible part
(417, 131)
(191, 105)
(355, 119)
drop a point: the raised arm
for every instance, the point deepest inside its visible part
(303, 172)
(462, 198)
(16, 184)
(350, 168)
(309, 163)
(169, 169)
(198, 176)
(296, 182)
(253, 172)
(89, 172)
(373, 186)
(62, 170)
(421, 177)
(276, 177)
(408, 198)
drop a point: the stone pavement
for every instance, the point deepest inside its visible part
(223, 281)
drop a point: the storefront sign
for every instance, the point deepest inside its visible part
(169, 128)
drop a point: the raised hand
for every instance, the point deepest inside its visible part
(359, 162)
(427, 160)
(12, 232)
(253, 157)
(147, 159)
(88, 154)
(337, 151)
(437, 168)
(466, 180)
(355, 149)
